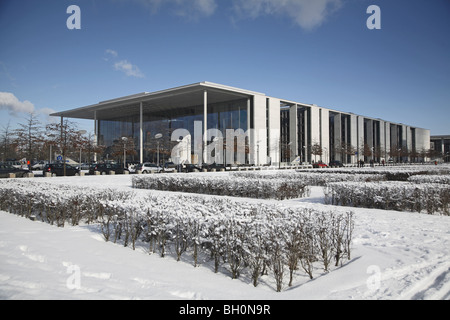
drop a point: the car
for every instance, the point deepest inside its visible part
(39, 165)
(336, 164)
(6, 169)
(170, 167)
(106, 168)
(148, 167)
(319, 164)
(214, 165)
(17, 164)
(190, 168)
(58, 169)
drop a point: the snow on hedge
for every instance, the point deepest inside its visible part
(445, 179)
(233, 185)
(403, 196)
(317, 178)
(238, 236)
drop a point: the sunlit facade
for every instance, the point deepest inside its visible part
(208, 122)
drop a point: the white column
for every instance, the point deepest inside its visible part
(205, 124)
(249, 131)
(274, 130)
(62, 126)
(95, 135)
(141, 133)
(260, 129)
(354, 135)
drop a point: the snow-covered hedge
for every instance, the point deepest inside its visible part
(310, 178)
(400, 173)
(404, 196)
(234, 236)
(445, 179)
(234, 186)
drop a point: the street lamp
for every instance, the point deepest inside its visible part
(125, 140)
(157, 137)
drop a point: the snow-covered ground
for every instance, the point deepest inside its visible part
(396, 255)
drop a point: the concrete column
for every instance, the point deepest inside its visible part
(205, 124)
(62, 125)
(141, 133)
(260, 129)
(387, 140)
(354, 135)
(315, 126)
(249, 130)
(360, 137)
(95, 135)
(274, 130)
(325, 135)
(306, 130)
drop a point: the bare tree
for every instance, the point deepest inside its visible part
(126, 146)
(316, 150)
(67, 136)
(29, 136)
(7, 142)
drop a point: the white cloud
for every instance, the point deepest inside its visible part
(111, 52)
(46, 111)
(9, 102)
(191, 9)
(129, 69)
(197, 8)
(126, 67)
(308, 14)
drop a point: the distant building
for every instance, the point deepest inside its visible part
(191, 117)
(440, 146)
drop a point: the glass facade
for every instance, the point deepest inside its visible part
(221, 116)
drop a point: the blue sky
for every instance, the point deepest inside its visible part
(307, 51)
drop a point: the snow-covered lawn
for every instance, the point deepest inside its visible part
(395, 255)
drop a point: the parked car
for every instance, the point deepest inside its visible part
(17, 164)
(148, 167)
(6, 169)
(170, 167)
(319, 164)
(39, 165)
(336, 164)
(190, 168)
(106, 168)
(58, 169)
(211, 166)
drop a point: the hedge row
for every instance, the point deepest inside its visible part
(403, 196)
(234, 186)
(310, 178)
(444, 179)
(258, 239)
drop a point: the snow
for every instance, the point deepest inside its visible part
(395, 255)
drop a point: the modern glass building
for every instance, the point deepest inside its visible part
(208, 122)
(440, 145)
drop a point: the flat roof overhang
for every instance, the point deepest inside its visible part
(160, 101)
